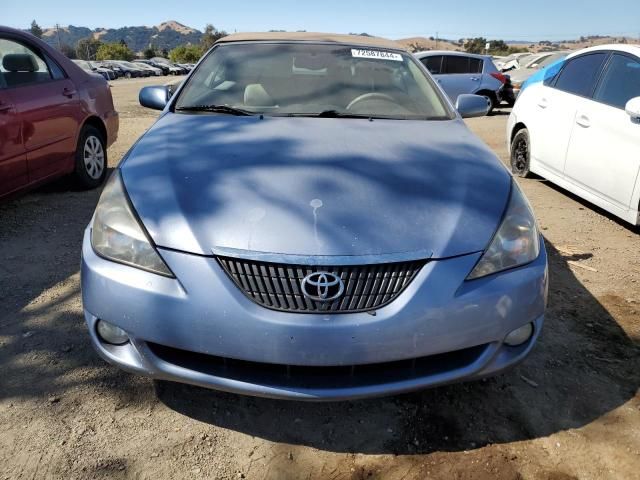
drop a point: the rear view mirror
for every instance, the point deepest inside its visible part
(633, 109)
(155, 97)
(469, 106)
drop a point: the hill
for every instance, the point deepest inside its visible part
(578, 44)
(167, 35)
(418, 44)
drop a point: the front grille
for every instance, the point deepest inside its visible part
(331, 377)
(278, 285)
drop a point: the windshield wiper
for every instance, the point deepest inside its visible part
(215, 109)
(337, 114)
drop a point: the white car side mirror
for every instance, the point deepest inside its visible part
(633, 109)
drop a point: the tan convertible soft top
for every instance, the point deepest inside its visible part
(312, 37)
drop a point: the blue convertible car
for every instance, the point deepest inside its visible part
(310, 218)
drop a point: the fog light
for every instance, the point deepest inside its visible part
(111, 334)
(519, 335)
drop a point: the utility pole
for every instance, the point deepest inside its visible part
(58, 35)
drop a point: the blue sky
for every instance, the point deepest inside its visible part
(509, 20)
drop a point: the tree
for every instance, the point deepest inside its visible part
(68, 51)
(114, 51)
(87, 48)
(150, 52)
(185, 54)
(496, 47)
(475, 45)
(210, 36)
(35, 29)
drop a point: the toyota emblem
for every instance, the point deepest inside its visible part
(322, 286)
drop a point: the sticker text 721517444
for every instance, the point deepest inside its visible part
(375, 54)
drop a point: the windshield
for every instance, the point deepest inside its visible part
(310, 79)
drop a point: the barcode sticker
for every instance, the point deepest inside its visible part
(375, 54)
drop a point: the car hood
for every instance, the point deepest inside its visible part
(315, 186)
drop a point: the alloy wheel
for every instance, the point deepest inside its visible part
(93, 157)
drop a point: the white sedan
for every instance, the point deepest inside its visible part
(580, 128)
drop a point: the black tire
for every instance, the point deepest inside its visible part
(91, 159)
(521, 154)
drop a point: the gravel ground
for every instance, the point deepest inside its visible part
(572, 410)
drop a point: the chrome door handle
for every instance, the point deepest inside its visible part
(474, 79)
(68, 92)
(543, 103)
(583, 121)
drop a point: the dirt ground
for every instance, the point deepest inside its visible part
(572, 410)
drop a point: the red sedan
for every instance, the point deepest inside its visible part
(55, 118)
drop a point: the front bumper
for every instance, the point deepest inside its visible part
(201, 329)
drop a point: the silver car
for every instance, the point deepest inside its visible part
(466, 73)
(310, 218)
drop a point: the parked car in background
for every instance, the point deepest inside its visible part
(187, 66)
(143, 71)
(55, 118)
(163, 68)
(580, 128)
(90, 67)
(173, 69)
(105, 72)
(117, 71)
(466, 73)
(128, 69)
(153, 70)
(411, 258)
(512, 61)
(533, 65)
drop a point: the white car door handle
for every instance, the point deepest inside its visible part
(583, 121)
(543, 103)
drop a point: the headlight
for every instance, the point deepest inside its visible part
(515, 243)
(116, 234)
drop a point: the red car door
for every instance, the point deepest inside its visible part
(13, 161)
(48, 105)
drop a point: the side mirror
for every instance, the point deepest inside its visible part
(155, 97)
(633, 109)
(469, 106)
